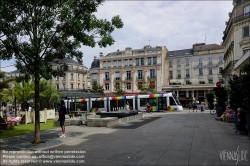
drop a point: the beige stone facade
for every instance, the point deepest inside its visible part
(129, 67)
(236, 40)
(193, 72)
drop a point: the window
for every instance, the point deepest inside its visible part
(149, 60)
(201, 82)
(221, 81)
(187, 73)
(220, 70)
(210, 81)
(71, 67)
(129, 86)
(115, 63)
(106, 86)
(142, 61)
(178, 73)
(63, 86)
(152, 73)
(199, 52)
(171, 101)
(209, 51)
(72, 86)
(128, 75)
(140, 74)
(210, 61)
(78, 77)
(78, 86)
(247, 10)
(57, 77)
(119, 63)
(117, 75)
(154, 60)
(126, 62)
(131, 62)
(245, 51)
(137, 61)
(178, 63)
(245, 31)
(220, 59)
(188, 82)
(200, 61)
(210, 70)
(187, 62)
(170, 74)
(200, 71)
(64, 77)
(94, 77)
(170, 63)
(72, 76)
(109, 64)
(57, 86)
(106, 75)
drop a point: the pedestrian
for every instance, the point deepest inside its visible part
(62, 112)
(127, 107)
(190, 106)
(29, 108)
(148, 107)
(202, 106)
(195, 105)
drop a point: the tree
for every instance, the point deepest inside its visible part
(48, 94)
(97, 88)
(146, 86)
(40, 33)
(245, 78)
(210, 99)
(4, 83)
(235, 91)
(221, 95)
(120, 88)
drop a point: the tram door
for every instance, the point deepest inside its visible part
(162, 103)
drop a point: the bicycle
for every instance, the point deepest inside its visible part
(212, 109)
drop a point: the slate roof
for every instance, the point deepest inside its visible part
(95, 64)
(147, 48)
(184, 52)
(207, 47)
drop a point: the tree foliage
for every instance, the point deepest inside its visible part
(146, 87)
(221, 95)
(97, 88)
(120, 88)
(37, 34)
(235, 92)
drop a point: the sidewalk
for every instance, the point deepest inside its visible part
(171, 138)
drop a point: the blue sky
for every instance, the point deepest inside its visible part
(174, 24)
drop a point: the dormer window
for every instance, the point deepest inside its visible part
(171, 55)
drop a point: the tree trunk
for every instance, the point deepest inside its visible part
(37, 113)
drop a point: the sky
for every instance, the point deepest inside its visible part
(174, 24)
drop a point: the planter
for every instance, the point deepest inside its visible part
(219, 111)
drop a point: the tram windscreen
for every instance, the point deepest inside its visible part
(176, 99)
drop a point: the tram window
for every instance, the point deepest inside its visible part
(143, 102)
(151, 101)
(97, 104)
(171, 101)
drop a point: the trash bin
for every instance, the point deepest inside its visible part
(84, 118)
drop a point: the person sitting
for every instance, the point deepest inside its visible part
(148, 108)
(229, 114)
(127, 107)
(241, 121)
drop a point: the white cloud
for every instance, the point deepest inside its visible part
(174, 24)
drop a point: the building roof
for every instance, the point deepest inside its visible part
(146, 48)
(184, 52)
(207, 47)
(95, 63)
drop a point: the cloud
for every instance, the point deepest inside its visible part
(174, 24)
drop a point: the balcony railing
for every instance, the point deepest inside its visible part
(117, 78)
(229, 65)
(106, 79)
(235, 20)
(152, 77)
(128, 78)
(140, 78)
(78, 71)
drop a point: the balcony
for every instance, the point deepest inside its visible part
(233, 21)
(117, 78)
(187, 76)
(152, 78)
(128, 78)
(230, 48)
(178, 76)
(106, 79)
(170, 77)
(178, 65)
(229, 65)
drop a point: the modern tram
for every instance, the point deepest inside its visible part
(158, 102)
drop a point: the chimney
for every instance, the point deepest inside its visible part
(118, 50)
(80, 61)
(101, 54)
(95, 57)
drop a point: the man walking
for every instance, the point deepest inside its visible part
(62, 112)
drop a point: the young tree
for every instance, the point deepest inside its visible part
(37, 33)
(146, 86)
(120, 89)
(97, 88)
